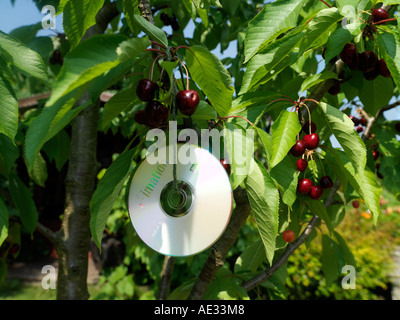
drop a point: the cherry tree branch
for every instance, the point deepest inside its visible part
(216, 258)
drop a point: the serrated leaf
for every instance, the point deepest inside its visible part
(317, 78)
(239, 147)
(376, 94)
(274, 19)
(50, 121)
(269, 62)
(336, 42)
(24, 203)
(286, 176)
(107, 192)
(340, 125)
(3, 221)
(251, 258)
(8, 109)
(92, 58)
(389, 44)
(364, 183)
(150, 29)
(318, 29)
(78, 16)
(25, 59)
(331, 259)
(208, 72)
(284, 133)
(118, 103)
(39, 171)
(264, 201)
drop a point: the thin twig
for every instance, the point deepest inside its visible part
(166, 276)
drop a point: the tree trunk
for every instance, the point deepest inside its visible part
(74, 236)
(75, 232)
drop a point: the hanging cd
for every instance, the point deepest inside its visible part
(185, 215)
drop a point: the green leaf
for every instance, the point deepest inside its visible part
(118, 103)
(25, 59)
(92, 58)
(284, 133)
(269, 61)
(376, 94)
(208, 72)
(79, 15)
(336, 42)
(3, 221)
(24, 203)
(318, 30)
(9, 153)
(317, 208)
(286, 176)
(107, 193)
(50, 121)
(389, 44)
(331, 259)
(39, 171)
(239, 146)
(317, 78)
(264, 201)
(364, 183)
(251, 258)
(340, 125)
(8, 109)
(275, 18)
(150, 29)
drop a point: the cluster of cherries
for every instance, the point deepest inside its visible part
(169, 21)
(155, 114)
(309, 142)
(359, 123)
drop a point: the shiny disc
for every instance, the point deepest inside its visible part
(182, 216)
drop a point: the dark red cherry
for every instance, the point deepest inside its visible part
(383, 69)
(156, 114)
(355, 120)
(379, 15)
(372, 75)
(306, 127)
(146, 90)
(349, 53)
(164, 17)
(302, 165)
(187, 101)
(304, 185)
(335, 88)
(139, 117)
(311, 140)
(363, 121)
(298, 149)
(355, 204)
(316, 192)
(376, 154)
(326, 182)
(226, 165)
(360, 129)
(288, 235)
(368, 60)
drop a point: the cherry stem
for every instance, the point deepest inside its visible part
(152, 67)
(187, 75)
(240, 117)
(292, 100)
(383, 21)
(309, 117)
(158, 44)
(156, 50)
(326, 3)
